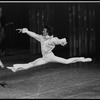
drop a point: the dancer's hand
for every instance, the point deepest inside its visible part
(63, 42)
(24, 30)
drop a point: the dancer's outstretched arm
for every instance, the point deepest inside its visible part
(31, 34)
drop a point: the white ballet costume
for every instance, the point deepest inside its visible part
(47, 45)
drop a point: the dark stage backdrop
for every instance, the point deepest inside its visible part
(15, 15)
(76, 22)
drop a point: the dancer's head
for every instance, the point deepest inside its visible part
(48, 30)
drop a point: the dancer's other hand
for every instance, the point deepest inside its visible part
(24, 30)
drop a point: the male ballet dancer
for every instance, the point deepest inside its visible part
(48, 43)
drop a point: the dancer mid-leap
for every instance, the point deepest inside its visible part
(48, 43)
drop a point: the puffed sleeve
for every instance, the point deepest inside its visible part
(56, 41)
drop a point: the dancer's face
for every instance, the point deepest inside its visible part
(45, 33)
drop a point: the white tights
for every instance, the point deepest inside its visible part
(46, 59)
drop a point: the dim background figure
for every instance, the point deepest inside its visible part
(2, 34)
(2, 40)
(48, 43)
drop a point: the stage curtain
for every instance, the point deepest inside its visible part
(39, 15)
(79, 26)
(82, 29)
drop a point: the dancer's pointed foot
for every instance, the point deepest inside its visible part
(87, 60)
(11, 68)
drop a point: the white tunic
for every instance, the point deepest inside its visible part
(48, 43)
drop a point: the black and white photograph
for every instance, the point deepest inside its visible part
(49, 50)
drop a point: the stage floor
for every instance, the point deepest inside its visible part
(51, 81)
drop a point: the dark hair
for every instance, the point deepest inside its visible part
(49, 29)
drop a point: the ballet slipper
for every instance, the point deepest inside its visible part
(87, 60)
(11, 68)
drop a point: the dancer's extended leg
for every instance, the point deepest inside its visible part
(70, 60)
(37, 62)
